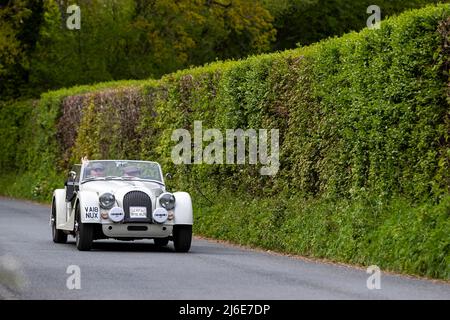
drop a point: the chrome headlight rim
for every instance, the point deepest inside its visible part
(167, 201)
(107, 200)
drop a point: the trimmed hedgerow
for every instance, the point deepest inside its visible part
(364, 143)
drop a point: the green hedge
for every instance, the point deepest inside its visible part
(364, 144)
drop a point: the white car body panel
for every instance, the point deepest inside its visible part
(59, 201)
(183, 208)
(89, 206)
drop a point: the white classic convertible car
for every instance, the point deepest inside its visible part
(120, 199)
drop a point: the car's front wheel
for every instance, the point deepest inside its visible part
(84, 234)
(58, 235)
(182, 237)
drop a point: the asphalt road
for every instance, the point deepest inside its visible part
(33, 267)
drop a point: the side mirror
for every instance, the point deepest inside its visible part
(168, 176)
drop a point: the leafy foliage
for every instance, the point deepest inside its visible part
(364, 141)
(138, 39)
(19, 21)
(302, 22)
(126, 39)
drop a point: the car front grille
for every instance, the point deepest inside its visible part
(137, 199)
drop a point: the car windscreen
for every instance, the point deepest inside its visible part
(121, 170)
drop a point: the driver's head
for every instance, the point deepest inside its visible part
(131, 171)
(97, 170)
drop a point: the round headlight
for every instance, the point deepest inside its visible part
(167, 201)
(107, 200)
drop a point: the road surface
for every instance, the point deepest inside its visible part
(33, 267)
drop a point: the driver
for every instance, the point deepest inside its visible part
(96, 170)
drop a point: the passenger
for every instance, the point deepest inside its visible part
(131, 171)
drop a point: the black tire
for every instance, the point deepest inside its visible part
(182, 237)
(58, 235)
(84, 233)
(161, 242)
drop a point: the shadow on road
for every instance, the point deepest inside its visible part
(127, 246)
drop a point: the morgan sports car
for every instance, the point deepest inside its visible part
(120, 199)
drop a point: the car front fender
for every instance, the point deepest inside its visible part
(89, 207)
(183, 208)
(59, 203)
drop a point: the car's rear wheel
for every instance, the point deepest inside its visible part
(84, 233)
(58, 235)
(161, 242)
(182, 237)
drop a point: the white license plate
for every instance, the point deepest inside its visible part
(138, 212)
